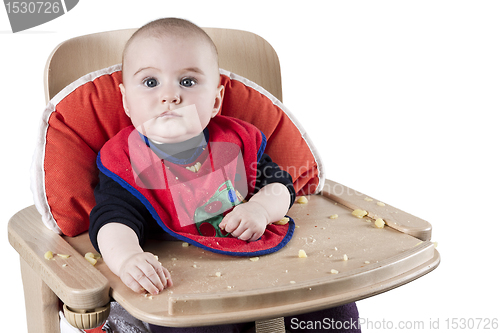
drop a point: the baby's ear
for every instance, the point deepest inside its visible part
(218, 100)
(124, 102)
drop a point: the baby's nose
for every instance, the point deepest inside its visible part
(171, 99)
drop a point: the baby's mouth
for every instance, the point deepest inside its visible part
(169, 114)
(188, 111)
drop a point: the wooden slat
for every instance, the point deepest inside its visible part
(42, 305)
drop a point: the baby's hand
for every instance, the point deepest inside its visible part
(247, 221)
(143, 271)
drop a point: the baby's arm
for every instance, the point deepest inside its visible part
(124, 256)
(249, 220)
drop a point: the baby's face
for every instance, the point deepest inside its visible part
(170, 87)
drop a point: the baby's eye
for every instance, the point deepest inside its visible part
(187, 82)
(150, 82)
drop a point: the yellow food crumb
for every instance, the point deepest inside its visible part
(302, 254)
(334, 271)
(292, 282)
(435, 244)
(254, 258)
(345, 257)
(90, 257)
(381, 204)
(359, 213)
(302, 200)
(333, 217)
(64, 265)
(184, 244)
(367, 262)
(65, 256)
(92, 261)
(379, 223)
(194, 168)
(218, 274)
(283, 221)
(48, 255)
(368, 199)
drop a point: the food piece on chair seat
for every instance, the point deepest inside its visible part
(302, 254)
(283, 221)
(90, 257)
(302, 200)
(379, 223)
(360, 213)
(48, 255)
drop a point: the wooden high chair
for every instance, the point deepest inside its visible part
(348, 258)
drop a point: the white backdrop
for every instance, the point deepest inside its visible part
(400, 97)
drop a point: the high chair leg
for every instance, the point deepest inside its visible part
(276, 325)
(42, 305)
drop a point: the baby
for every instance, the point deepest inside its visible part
(178, 144)
(183, 170)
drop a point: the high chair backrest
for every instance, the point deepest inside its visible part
(240, 52)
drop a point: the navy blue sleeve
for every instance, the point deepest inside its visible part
(269, 172)
(116, 204)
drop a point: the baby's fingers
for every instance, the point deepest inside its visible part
(130, 282)
(169, 282)
(138, 281)
(230, 222)
(251, 234)
(162, 273)
(144, 272)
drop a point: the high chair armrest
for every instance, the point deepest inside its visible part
(393, 217)
(73, 279)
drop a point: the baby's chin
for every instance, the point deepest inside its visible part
(162, 140)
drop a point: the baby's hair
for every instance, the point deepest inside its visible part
(171, 26)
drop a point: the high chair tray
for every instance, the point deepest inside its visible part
(214, 289)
